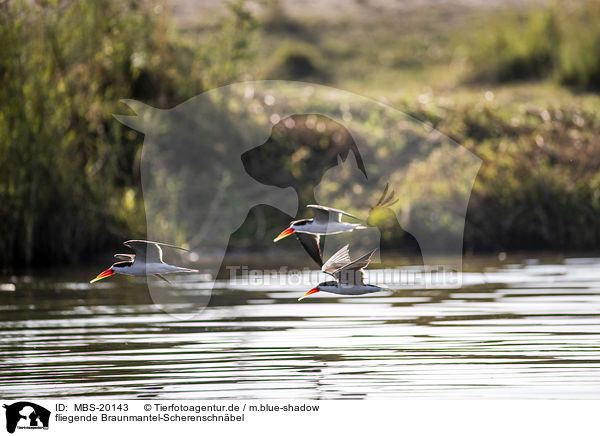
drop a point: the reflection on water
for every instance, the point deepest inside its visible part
(527, 330)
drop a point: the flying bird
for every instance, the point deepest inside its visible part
(348, 275)
(147, 260)
(327, 221)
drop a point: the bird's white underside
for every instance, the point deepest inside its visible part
(350, 290)
(143, 269)
(330, 228)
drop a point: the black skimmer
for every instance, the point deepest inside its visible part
(327, 221)
(348, 275)
(147, 260)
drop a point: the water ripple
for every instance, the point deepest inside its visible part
(524, 331)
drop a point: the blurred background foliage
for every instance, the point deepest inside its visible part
(561, 42)
(515, 83)
(68, 170)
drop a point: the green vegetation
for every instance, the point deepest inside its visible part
(68, 178)
(504, 83)
(512, 85)
(366, 50)
(296, 61)
(561, 42)
(538, 187)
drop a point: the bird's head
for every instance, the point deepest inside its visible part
(294, 226)
(114, 268)
(320, 287)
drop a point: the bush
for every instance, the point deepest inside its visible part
(538, 186)
(68, 180)
(296, 61)
(561, 42)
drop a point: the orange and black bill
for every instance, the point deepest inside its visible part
(312, 291)
(286, 232)
(109, 272)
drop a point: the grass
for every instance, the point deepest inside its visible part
(515, 86)
(69, 182)
(560, 42)
(512, 85)
(538, 184)
(358, 52)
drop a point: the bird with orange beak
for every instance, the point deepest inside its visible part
(327, 221)
(348, 275)
(147, 260)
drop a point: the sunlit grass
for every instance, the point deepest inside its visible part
(510, 85)
(560, 42)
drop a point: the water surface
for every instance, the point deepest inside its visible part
(523, 330)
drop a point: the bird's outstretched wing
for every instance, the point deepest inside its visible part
(149, 251)
(352, 273)
(386, 200)
(310, 242)
(125, 256)
(160, 276)
(337, 261)
(327, 214)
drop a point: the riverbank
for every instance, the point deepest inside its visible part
(70, 181)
